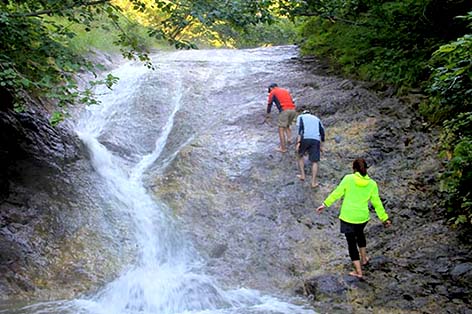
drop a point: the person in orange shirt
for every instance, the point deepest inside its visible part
(284, 103)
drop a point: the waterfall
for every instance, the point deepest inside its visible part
(167, 276)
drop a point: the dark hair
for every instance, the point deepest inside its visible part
(360, 165)
(272, 85)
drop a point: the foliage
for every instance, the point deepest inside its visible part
(456, 181)
(451, 81)
(385, 41)
(280, 32)
(35, 55)
(361, 51)
(103, 37)
(450, 103)
(181, 22)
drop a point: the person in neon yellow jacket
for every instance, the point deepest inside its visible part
(357, 190)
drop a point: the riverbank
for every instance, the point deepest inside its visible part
(255, 221)
(421, 264)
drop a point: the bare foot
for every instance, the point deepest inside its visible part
(355, 274)
(315, 185)
(300, 177)
(365, 262)
(281, 150)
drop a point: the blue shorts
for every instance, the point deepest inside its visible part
(312, 147)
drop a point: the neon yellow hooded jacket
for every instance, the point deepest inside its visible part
(357, 191)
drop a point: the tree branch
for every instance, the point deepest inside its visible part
(50, 11)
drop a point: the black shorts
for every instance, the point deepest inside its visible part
(312, 147)
(347, 227)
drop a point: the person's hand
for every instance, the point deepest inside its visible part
(320, 208)
(387, 223)
(297, 147)
(267, 119)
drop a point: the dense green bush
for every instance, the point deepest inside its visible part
(384, 41)
(450, 105)
(361, 50)
(37, 56)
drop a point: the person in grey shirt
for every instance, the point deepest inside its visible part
(310, 135)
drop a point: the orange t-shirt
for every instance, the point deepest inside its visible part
(282, 99)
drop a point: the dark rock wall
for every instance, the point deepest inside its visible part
(33, 156)
(53, 229)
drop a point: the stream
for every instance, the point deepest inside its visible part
(134, 135)
(170, 198)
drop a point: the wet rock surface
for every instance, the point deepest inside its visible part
(240, 202)
(52, 239)
(254, 221)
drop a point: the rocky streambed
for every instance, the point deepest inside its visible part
(255, 221)
(235, 197)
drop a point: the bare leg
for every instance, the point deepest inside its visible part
(358, 270)
(314, 171)
(288, 133)
(282, 147)
(301, 166)
(364, 257)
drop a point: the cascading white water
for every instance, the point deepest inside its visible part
(167, 275)
(165, 278)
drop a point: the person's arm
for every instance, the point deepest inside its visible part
(298, 143)
(301, 127)
(334, 196)
(269, 103)
(378, 206)
(300, 132)
(322, 132)
(322, 135)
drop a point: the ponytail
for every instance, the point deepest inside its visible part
(360, 165)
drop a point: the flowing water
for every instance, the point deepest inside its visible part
(138, 130)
